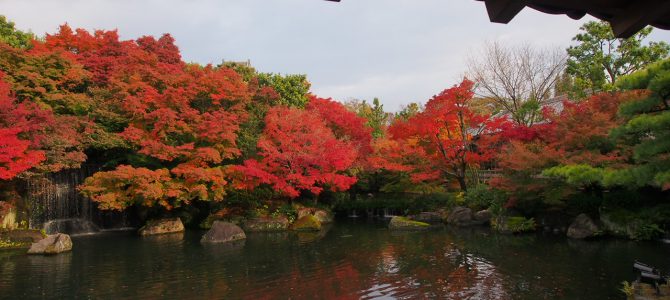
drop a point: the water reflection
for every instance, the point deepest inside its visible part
(346, 261)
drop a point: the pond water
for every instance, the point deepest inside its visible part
(350, 260)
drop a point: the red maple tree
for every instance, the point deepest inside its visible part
(299, 152)
(21, 130)
(447, 138)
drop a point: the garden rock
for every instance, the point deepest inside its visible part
(482, 217)
(52, 244)
(162, 226)
(402, 223)
(267, 224)
(222, 232)
(583, 227)
(307, 223)
(460, 216)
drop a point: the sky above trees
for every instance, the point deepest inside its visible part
(397, 50)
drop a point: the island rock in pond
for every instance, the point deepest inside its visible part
(583, 227)
(52, 244)
(402, 223)
(162, 226)
(222, 232)
(307, 223)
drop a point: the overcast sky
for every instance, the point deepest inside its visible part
(398, 50)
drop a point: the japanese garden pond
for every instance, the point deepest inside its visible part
(350, 259)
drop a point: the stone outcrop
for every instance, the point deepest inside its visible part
(463, 216)
(583, 227)
(162, 226)
(403, 223)
(222, 232)
(52, 244)
(307, 223)
(266, 224)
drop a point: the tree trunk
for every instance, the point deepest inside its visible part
(461, 182)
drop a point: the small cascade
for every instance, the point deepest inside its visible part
(386, 214)
(54, 203)
(353, 214)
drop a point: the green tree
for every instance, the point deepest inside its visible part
(408, 111)
(376, 117)
(647, 129)
(599, 58)
(12, 36)
(292, 88)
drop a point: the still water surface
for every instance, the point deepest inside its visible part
(350, 260)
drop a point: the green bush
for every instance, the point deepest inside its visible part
(513, 224)
(482, 196)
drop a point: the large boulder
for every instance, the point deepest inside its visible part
(222, 232)
(266, 224)
(583, 227)
(52, 244)
(403, 223)
(482, 217)
(460, 216)
(162, 226)
(307, 223)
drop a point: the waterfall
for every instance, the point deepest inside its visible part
(54, 203)
(55, 196)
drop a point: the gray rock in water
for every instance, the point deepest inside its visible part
(222, 232)
(70, 226)
(52, 244)
(162, 226)
(583, 227)
(460, 216)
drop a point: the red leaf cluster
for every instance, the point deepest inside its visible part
(299, 152)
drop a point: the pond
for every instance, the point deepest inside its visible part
(352, 259)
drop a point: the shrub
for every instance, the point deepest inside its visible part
(482, 196)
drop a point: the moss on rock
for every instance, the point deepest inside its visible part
(307, 223)
(403, 223)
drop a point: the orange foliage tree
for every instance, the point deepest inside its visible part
(576, 135)
(445, 139)
(180, 119)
